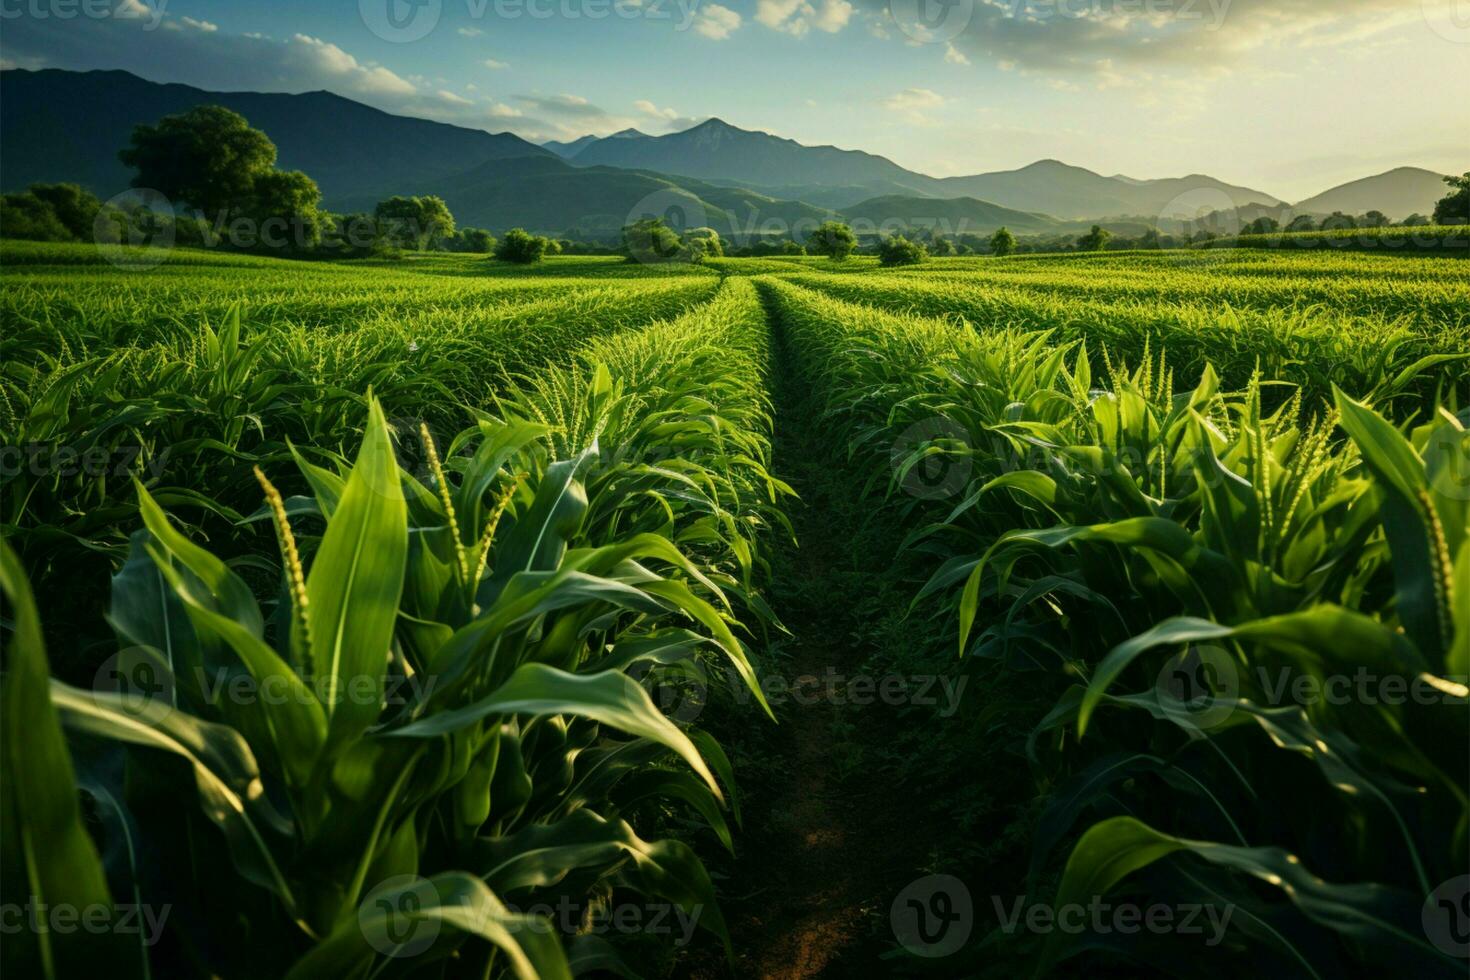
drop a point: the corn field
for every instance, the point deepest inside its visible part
(369, 616)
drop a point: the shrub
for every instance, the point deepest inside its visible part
(471, 240)
(75, 207)
(50, 213)
(703, 243)
(1095, 240)
(898, 250)
(27, 216)
(521, 246)
(649, 240)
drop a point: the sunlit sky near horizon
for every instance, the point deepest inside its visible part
(1286, 96)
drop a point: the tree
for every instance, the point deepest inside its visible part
(1095, 240)
(1337, 221)
(471, 240)
(1302, 222)
(51, 213)
(1374, 219)
(27, 216)
(73, 206)
(521, 246)
(1002, 242)
(789, 247)
(207, 158)
(650, 240)
(1454, 207)
(283, 205)
(898, 250)
(832, 239)
(705, 241)
(415, 222)
(354, 235)
(943, 246)
(1416, 220)
(1264, 225)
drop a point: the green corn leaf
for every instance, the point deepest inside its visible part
(225, 774)
(612, 698)
(355, 582)
(426, 911)
(48, 857)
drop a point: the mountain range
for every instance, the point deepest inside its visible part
(63, 125)
(714, 150)
(68, 126)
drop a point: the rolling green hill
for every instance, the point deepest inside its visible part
(549, 196)
(948, 216)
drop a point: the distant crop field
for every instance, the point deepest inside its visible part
(521, 549)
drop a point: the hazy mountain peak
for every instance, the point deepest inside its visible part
(1397, 193)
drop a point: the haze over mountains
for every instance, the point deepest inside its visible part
(1397, 193)
(826, 175)
(68, 126)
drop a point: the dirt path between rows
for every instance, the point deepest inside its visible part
(823, 850)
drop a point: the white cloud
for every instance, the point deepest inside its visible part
(913, 98)
(912, 104)
(716, 22)
(954, 56)
(469, 32)
(452, 98)
(199, 25)
(649, 109)
(797, 17)
(326, 58)
(494, 65)
(1185, 37)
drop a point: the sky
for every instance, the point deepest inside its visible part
(1286, 96)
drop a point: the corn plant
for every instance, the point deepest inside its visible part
(1114, 533)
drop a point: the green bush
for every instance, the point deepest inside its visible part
(832, 239)
(898, 250)
(520, 246)
(50, 213)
